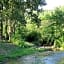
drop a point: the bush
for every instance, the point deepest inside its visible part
(19, 37)
(59, 42)
(33, 36)
(17, 40)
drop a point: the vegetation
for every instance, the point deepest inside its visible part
(25, 26)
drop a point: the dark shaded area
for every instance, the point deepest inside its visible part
(45, 43)
(33, 36)
(1, 6)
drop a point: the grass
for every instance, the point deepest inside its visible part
(21, 52)
(2, 57)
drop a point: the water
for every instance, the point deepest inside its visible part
(38, 59)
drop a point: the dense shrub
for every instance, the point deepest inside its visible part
(19, 37)
(33, 36)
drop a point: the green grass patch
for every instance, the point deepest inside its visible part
(21, 52)
(2, 58)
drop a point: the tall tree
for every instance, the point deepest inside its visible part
(14, 12)
(1, 23)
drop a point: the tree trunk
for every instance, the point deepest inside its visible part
(1, 27)
(6, 33)
(1, 30)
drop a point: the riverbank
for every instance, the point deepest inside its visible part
(10, 51)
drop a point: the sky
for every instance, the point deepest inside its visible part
(51, 4)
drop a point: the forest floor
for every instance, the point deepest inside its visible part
(10, 51)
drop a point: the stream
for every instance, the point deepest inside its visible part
(39, 58)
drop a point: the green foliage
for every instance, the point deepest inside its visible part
(23, 24)
(33, 36)
(16, 11)
(59, 42)
(53, 26)
(19, 36)
(56, 23)
(47, 30)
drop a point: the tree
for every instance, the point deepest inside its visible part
(56, 24)
(1, 23)
(14, 14)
